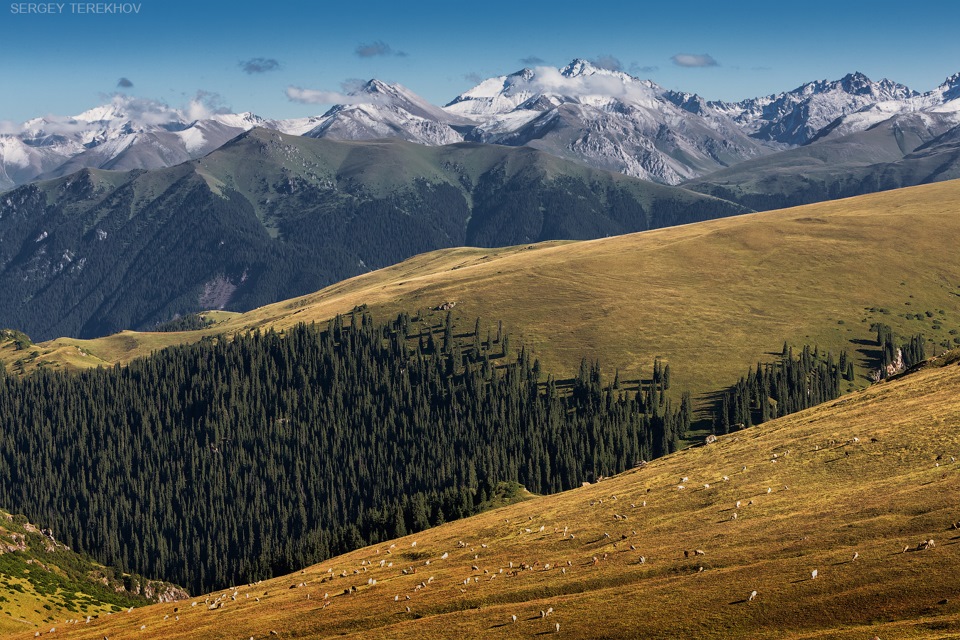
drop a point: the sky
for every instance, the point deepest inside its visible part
(252, 56)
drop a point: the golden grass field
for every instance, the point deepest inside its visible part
(712, 298)
(870, 474)
(35, 587)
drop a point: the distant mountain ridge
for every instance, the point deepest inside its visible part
(884, 145)
(599, 117)
(126, 133)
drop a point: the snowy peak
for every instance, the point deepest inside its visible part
(126, 133)
(690, 102)
(796, 117)
(379, 109)
(859, 84)
(580, 67)
(950, 89)
(521, 95)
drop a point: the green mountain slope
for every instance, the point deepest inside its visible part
(902, 152)
(269, 216)
(710, 298)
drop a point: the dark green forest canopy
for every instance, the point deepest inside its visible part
(232, 460)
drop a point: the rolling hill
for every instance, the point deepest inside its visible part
(42, 581)
(270, 216)
(711, 298)
(836, 522)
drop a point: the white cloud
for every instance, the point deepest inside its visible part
(609, 62)
(314, 96)
(694, 60)
(550, 80)
(204, 104)
(378, 48)
(259, 65)
(9, 127)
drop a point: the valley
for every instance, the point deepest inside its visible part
(848, 489)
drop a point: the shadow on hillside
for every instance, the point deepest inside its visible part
(869, 350)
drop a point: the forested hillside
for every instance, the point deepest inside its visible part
(233, 460)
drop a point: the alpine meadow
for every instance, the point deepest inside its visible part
(391, 322)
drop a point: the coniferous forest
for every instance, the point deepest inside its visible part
(777, 389)
(236, 459)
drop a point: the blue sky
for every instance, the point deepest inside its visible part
(64, 63)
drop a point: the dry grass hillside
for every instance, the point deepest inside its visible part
(848, 489)
(712, 298)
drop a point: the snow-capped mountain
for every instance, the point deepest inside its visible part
(382, 110)
(796, 117)
(604, 118)
(936, 110)
(127, 133)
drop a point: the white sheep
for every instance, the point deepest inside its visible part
(753, 594)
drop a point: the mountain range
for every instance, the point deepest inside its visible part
(270, 216)
(146, 213)
(599, 117)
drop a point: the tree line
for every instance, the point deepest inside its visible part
(232, 460)
(780, 388)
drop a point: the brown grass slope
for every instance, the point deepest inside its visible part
(43, 582)
(871, 474)
(712, 298)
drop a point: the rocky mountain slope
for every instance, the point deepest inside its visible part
(599, 117)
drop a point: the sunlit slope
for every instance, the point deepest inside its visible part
(869, 476)
(712, 297)
(43, 582)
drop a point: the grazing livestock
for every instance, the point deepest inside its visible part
(753, 594)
